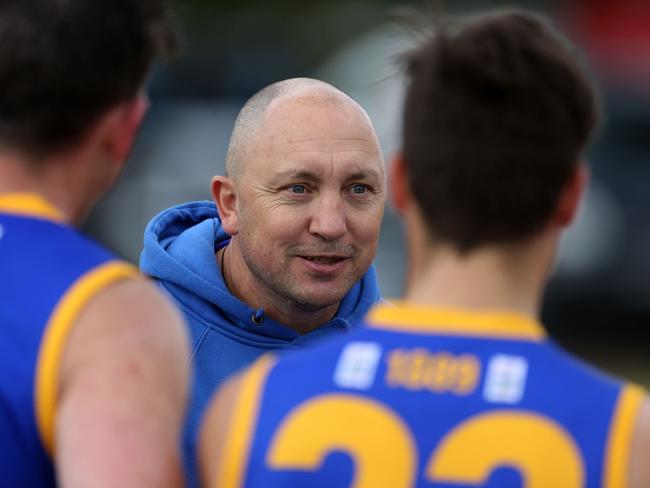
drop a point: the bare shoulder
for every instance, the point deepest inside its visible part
(135, 301)
(214, 428)
(122, 390)
(639, 466)
(128, 316)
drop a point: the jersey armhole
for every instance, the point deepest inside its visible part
(621, 432)
(55, 336)
(230, 470)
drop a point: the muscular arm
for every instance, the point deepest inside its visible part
(639, 465)
(122, 392)
(214, 429)
(229, 426)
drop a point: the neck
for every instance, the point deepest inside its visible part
(55, 181)
(244, 286)
(491, 278)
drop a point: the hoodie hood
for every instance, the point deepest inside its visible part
(179, 251)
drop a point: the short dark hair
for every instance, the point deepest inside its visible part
(65, 62)
(498, 111)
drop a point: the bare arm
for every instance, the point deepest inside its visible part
(214, 430)
(639, 465)
(228, 428)
(122, 392)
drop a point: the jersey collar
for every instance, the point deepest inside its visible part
(422, 319)
(29, 205)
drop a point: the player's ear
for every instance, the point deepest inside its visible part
(225, 197)
(571, 195)
(121, 126)
(400, 194)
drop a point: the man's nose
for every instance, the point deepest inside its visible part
(328, 218)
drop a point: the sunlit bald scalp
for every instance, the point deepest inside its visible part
(251, 117)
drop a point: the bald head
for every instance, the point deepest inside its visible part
(303, 200)
(254, 115)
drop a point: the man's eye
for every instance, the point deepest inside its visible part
(297, 189)
(359, 189)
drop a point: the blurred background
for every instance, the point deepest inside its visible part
(598, 304)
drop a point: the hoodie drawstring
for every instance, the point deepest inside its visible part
(258, 316)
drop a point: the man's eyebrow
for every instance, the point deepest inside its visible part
(306, 175)
(295, 174)
(370, 174)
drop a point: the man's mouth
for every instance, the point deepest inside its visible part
(324, 259)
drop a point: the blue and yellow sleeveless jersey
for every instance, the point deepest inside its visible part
(48, 272)
(430, 398)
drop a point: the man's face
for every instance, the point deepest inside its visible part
(310, 202)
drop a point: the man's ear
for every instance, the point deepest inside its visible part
(120, 127)
(571, 195)
(400, 195)
(224, 195)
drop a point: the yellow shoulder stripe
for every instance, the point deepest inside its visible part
(402, 316)
(30, 205)
(232, 466)
(620, 437)
(55, 335)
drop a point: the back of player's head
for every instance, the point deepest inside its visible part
(65, 62)
(498, 112)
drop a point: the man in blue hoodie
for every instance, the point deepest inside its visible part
(458, 384)
(283, 255)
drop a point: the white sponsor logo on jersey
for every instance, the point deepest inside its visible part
(357, 365)
(505, 380)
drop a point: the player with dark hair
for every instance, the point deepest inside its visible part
(93, 358)
(458, 384)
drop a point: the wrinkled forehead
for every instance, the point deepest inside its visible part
(315, 132)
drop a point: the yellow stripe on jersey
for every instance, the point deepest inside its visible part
(620, 437)
(56, 334)
(434, 320)
(29, 205)
(232, 465)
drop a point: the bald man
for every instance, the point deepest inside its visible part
(458, 383)
(283, 255)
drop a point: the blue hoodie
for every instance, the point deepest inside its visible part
(179, 252)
